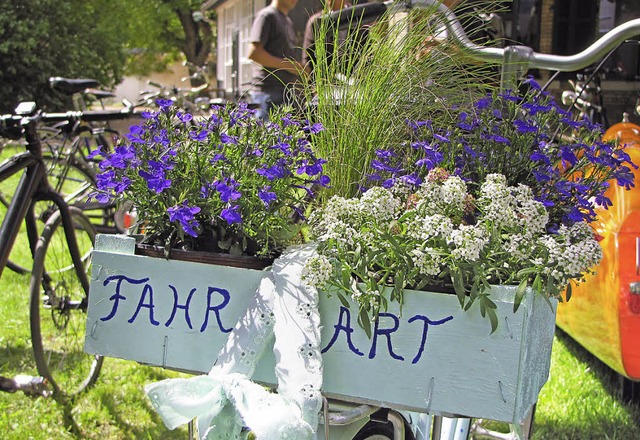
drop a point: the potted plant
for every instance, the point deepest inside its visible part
(481, 209)
(229, 184)
(502, 195)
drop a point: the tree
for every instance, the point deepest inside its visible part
(198, 33)
(167, 29)
(100, 39)
(44, 38)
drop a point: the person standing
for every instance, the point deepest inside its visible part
(311, 30)
(272, 49)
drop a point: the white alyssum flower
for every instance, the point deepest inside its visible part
(337, 208)
(380, 204)
(521, 247)
(337, 230)
(368, 298)
(469, 241)
(428, 261)
(532, 216)
(497, 202)
(401, 189)
(454, 193)
(571, 252)
(424, 228)
(447, 198)
(317, 271)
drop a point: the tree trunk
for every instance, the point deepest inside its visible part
(197, 43)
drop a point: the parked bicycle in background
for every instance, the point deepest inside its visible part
(61, 245)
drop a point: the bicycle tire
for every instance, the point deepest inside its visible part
(381, 428)
(58, 305)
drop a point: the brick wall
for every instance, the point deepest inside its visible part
(546, 26)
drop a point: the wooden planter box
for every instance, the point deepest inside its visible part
(433, 357)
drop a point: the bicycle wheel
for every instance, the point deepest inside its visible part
(58, 307)
(381, 427)
(68, 172)
(74, 177)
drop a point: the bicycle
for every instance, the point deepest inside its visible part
(67, 147)
(61, 250)
(68, 153)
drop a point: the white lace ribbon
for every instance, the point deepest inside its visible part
(297, 329)
(226, 399)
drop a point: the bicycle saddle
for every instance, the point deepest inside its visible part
(71, 86)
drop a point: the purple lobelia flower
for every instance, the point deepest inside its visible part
(185, 215)
(228, 190)
(229, 169)
(267, 196)
(231, 215)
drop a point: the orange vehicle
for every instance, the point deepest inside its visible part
(603, 314)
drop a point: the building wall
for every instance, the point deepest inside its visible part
(236, 17)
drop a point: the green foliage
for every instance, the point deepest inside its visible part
(579, 401)
(98, 39)
(44, 38)
(162, 31)
(376, 77)
(228, 183)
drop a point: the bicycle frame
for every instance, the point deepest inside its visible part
(33, 186)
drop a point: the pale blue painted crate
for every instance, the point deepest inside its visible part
(431, 357)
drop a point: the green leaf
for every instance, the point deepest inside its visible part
(493, 318)
(458, 285)
(364, 320)
(343, 300)
(569, 291)
(520, 292)
(526, 272)
(537, 284)
(546, 298)
(346, 275)
(469, 304)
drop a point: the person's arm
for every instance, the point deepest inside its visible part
(259, 55)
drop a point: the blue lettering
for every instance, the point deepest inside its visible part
(425, 330)
(141, 304)
(177, 306)
(385, 332)
(216, 309)
(117, 297)
(343, 327)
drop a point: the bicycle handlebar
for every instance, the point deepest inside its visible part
(514, 59)
(26, 112)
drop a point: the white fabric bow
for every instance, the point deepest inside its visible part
(226, 399)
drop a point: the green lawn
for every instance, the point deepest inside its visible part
(581, 399)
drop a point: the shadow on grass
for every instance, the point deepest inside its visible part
(66, 408)
(17, 360)
(129, 426)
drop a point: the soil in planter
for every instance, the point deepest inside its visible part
(218, 258)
